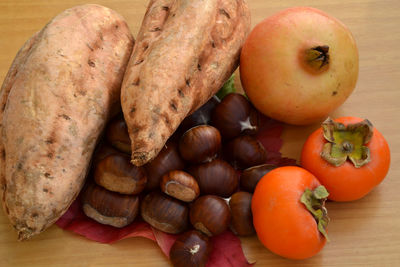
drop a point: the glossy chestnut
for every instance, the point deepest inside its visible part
(165, 213)
(167, 160)
(201, 116)
(180, 185)
(216, 177)
(242, 218)
(117, 134)
(103, 150)
(234, 116)
(250, 176)
(245, 151)
(210, 215)
(116, 173)
(108, 207)
(200, 144)
(192, 249)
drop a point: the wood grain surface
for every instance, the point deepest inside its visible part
(363, 233)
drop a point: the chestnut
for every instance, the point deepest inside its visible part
(242, 218)
(216, 178)
(165, 213)
(250, 176)
(200, 144)
(108, 207)
(180, 185)
(103, 150)
(167, 160)
(245, 151)
(116, 173)
(117, 134)
(210, 215)
(191, 248)
(234, 116)
(201, 116)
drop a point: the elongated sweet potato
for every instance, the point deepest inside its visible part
(184, 52)
(55, 100)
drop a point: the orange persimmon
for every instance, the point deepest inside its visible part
(358, 160)
(289, 214)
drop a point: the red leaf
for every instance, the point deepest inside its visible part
(164, 240)
(227, 250)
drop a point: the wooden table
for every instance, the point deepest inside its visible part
(363, 233)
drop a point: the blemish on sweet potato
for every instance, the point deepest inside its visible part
(180, 92)
(66, 117)
(223, 12)
(136, 82)
(91, 48)
(19, 166)
(139, 61)
(82, 92)
(49, 141)
(166, 118)
(173, 105)
(156, 29)
(91, 63)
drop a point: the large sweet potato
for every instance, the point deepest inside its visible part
(55, 101)
(184, 52)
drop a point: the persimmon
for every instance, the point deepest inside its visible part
(349, 156)
(289, 214)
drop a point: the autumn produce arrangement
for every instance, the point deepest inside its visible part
(116, 137)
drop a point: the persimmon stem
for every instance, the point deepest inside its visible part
(346, 142)
(314, 200)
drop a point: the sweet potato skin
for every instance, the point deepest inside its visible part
(184, 52)
(55, 101)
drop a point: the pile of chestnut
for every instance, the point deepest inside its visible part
(199, 185)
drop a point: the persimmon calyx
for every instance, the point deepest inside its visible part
(317, 57)
(347, 142)
(314, 200)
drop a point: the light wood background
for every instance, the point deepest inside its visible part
(363, 233)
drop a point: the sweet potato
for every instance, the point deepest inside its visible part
(184, 52)
(55, 100)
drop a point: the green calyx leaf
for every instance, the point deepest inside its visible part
(346, 142)
(314, 200)
(227, 88)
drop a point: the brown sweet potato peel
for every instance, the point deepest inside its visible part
(184, 52)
